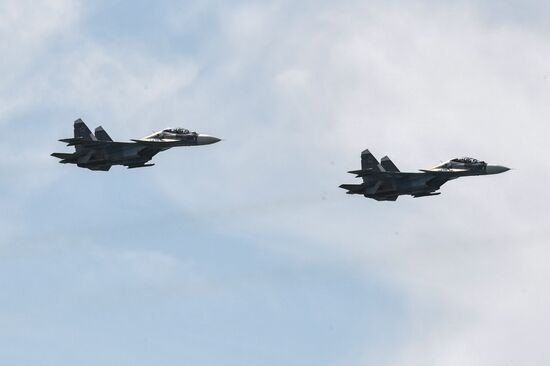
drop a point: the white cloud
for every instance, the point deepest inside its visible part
(296, 97)
(27, 24)
(53, 65)
(147, 272)
(27, 28)
(420, 86)
(292, 79)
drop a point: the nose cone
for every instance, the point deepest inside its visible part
(207, 140)
(496, 169)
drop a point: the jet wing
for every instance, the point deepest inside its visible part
(426, 194)
(64, 155)
(103, 168)
(93, 143)
(439, 171)
(157, 143)
(387, 198)
(360, 172)
(67, 158)
(389, 175)
(139, 165)
(381, 175)
(149, 152)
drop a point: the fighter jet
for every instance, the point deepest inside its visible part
(384, 182)
(98, 151)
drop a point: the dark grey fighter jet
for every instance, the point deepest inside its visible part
(384, 182)
(97, 151)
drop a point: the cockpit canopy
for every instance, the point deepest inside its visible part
(462, 163)
(178, 131)
(466, 160)
(173, 134)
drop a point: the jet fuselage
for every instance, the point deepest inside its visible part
(384, 182)
(99, 152)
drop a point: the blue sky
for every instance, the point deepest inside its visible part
(246, 252)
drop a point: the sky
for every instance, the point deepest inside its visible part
(246, 252)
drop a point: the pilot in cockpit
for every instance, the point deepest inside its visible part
(178, 131)
(470, 161)
(462, 163)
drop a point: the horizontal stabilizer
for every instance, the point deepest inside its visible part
(72, 140)
(63, 156)
(361, 173)
(83, 142)
(352, 188)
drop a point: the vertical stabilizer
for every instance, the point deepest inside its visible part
(102, 135)
(81, 131)
(388, 165)
(369, 162)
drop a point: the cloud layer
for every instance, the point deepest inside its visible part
(296, 91)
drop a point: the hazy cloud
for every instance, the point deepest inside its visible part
(297, 91)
